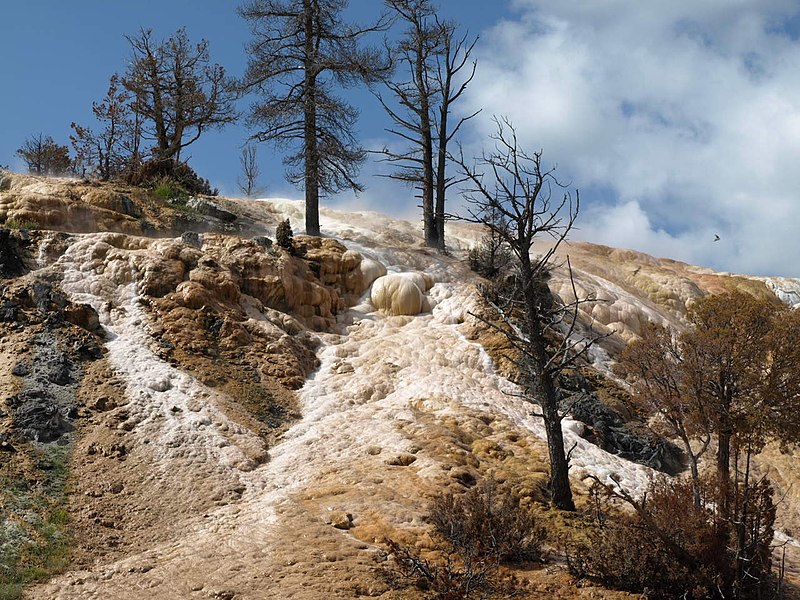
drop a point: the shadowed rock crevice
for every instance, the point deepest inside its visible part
(624, 435)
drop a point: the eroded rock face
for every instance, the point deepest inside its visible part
(50, 339)
(67, 205)
(83, 206)
(227, 298)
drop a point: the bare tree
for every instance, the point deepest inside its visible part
(43, 156)
(300, 50)
(176, 91)
(450, 62)
(114, 149)
(511, 194)
(248, 182)
(431, 56)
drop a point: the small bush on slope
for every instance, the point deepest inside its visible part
(179, 176)
(284, 236)
(669, 549)
(474, 533)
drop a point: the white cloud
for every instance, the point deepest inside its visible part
(688, 112)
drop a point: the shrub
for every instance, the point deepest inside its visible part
(671, 549)
(449, 578)
(491, 258)
(180, 176)
(473, 533)
(488, 521)
(15, 223)
(284, 236)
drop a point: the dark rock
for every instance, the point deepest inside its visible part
(464, 476)
(192, 238)
(48, 300)
(37, 416)
(5, 445)
(11, 264)
(5, 182)
(211, 209)
(606, 428)
(8, 311)
(58, 370)
(20, 369)
(263, 241)
(128, 207)
(87, 349)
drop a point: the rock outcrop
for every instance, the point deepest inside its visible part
(397, 294)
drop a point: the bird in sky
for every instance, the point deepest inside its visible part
(716, 237)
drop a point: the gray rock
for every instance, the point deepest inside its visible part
(20, 369)
(211, 209)
(192, 238)
(58, 370)
(263, 241)
(5, 181)
(128, 207)
(37, 416)
(607, 429)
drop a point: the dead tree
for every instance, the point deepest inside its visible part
(300, 50)
(114, 149)
(450, 62)
(248, 182)
(43, 156)
(511, 194)
(431, 56)
(176, 91)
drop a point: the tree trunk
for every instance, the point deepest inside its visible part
(544, 387)
(724, 456)
(441, 175)
(310, 129)
(561, 493)
(158, 112)
(428, 215)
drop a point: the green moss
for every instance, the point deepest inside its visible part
(11, 591)
(14, 223)
(170, 190)
(34, 525)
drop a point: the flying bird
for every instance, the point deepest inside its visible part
(716, 237)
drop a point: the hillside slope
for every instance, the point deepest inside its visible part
(238, 422)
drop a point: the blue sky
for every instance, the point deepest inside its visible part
(63, 53)
(677, 119)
